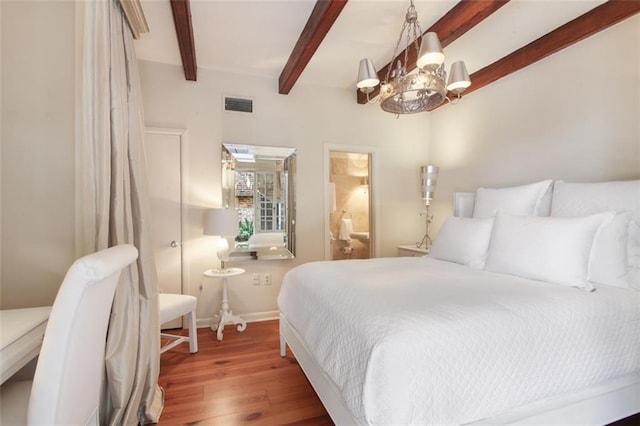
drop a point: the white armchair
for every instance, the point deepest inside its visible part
(66, 386)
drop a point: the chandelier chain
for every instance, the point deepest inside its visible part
(395, 52)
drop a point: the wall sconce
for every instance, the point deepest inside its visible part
(429, 177)
(364, 184)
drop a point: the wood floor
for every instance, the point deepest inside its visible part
(241, 380)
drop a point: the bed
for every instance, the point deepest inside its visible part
(479, 332)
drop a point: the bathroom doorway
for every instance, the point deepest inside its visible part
(350, 213)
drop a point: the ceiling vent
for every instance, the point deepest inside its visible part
(238, 104)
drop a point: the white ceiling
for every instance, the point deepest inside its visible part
(256, 37)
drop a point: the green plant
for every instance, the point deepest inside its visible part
(245, 230)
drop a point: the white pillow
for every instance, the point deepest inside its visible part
(525, 200)
(463, 240)
(609, 258)
(555, 250)
(580, 199)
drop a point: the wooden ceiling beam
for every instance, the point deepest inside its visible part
(465, 15)
(324, 14)
(592, 22)
(184, 31)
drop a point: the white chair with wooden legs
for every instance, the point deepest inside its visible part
(174, 306)
(66, 386)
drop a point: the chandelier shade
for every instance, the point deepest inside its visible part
(430, 52)
(367, 75)
(458, 78)
(407, 92)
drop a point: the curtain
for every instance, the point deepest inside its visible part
(112, 208)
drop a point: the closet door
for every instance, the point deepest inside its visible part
(164, 176)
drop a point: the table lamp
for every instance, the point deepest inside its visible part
(429, 177)
(221, 222)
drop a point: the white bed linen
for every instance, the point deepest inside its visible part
(422, 341)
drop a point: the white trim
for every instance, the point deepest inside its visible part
(79, 8)
(373, 153)
(164, 131)
(250, 317)
(135, 17)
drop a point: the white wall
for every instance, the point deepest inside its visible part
(528, 126)
(0, 155)
(306, 119)
(572, 116)
(37, 160)
(37, 156)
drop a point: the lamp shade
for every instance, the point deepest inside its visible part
(429, 176)
(367, 75)
(220, 222)
(458, 78)
(430, 51)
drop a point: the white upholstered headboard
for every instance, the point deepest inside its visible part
(463, 204)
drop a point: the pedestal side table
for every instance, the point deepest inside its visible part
(225, 316)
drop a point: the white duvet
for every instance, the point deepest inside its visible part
(421, 341)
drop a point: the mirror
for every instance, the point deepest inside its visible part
(259, 182)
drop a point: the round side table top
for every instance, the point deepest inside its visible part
(223, 273)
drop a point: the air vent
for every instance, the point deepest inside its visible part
(238, 105)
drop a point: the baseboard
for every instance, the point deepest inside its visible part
(250, 317)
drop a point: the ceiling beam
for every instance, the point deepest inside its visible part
(592, 22)
(465, 15)
(184, 31)
(324, 14)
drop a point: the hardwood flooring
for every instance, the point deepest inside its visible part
(241, 380)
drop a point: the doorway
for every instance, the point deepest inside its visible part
(350, 204)
(163, 148)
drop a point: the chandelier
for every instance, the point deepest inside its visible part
(403, 92)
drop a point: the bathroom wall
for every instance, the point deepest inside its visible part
(348, 172)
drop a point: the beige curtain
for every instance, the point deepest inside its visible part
(112, 208)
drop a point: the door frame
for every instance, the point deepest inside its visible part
(374, 227)
(182, 135)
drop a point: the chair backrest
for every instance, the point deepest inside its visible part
(68, 377)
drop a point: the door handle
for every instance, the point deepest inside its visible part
(173, 244)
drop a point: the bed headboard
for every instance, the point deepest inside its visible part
(463, 204)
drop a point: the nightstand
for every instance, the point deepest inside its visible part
(225, 316)
(412, 251)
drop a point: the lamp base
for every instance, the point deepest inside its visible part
(223, 270)
(426, 242)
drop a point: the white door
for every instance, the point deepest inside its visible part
(164, 177)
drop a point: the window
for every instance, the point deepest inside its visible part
(270, 195)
